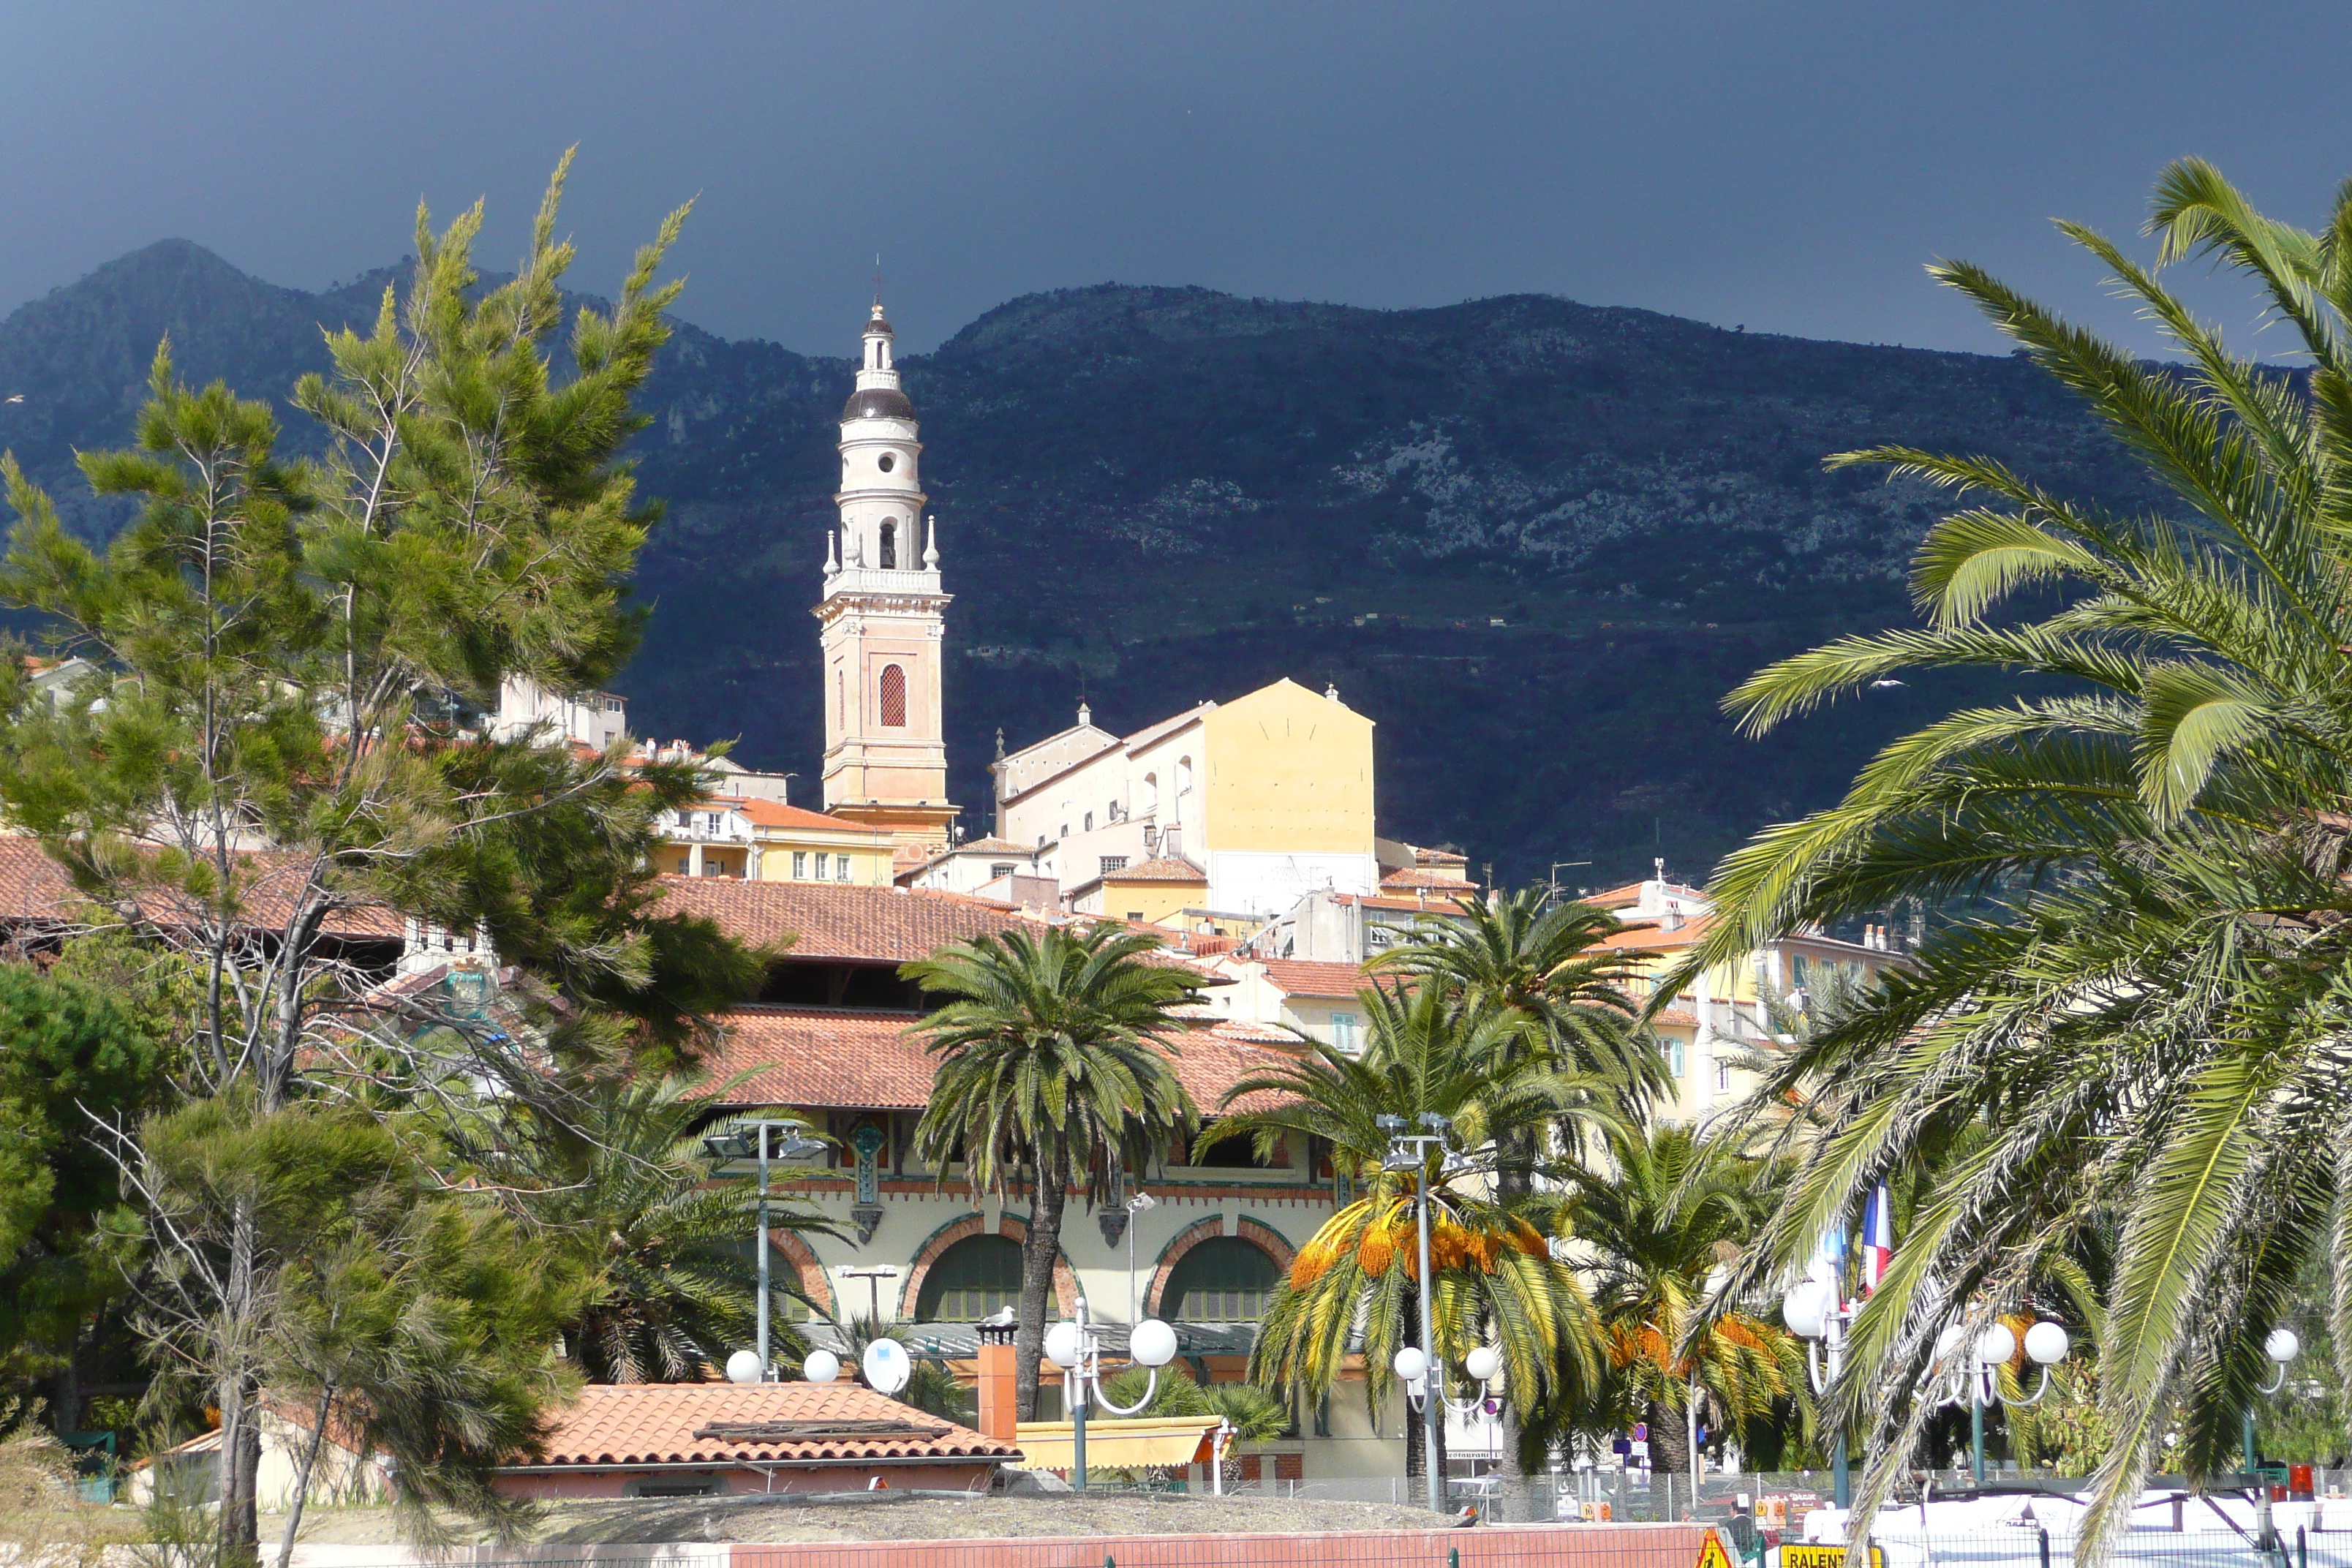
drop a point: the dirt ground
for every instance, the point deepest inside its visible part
(879, 1517)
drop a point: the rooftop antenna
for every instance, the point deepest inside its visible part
(877, 279)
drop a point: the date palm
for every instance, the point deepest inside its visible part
(1054, 1069)
(1355, 1286)
(1652, 1225)
(2146, 1007)
(622, 1180)
(1548, 961)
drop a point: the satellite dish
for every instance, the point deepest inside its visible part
(886, 1366)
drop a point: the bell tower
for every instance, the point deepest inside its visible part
(883, 615)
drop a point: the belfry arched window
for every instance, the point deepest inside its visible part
(889, 560)
(894, 695)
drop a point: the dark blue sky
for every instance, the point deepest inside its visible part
(1784, 167)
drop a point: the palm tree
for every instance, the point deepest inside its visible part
(1355, 1284)
(1054, 1067)
(624, 1180)
(1654, 1226)
(1546, 961)
(2144, 1009)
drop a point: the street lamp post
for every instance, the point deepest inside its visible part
(1136, 1208)
(1814, 1314)
(2282, 1347)
(733, 1145)
(1410, 1153)
(1976, 1379)
(1072, 1346)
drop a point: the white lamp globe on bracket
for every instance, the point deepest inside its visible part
(2047, 1344)
(1412, 1369)
(1152, 1343)
(1065, 1345)
(2283, 1346)
(1806, 1308)
(1483, 1364)
(1997, 1345)
(821, 1366)
(743, 1367)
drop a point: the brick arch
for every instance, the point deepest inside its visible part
(1011, 1226)
(1263, 1236)
(815, 1284)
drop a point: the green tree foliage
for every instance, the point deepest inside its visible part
(279, 737)
(1054, 1069)
(1548, 961)
(619, 1180)
(424, 1323)
(2152, 1018)
(1356, 1285)
(1653, 1221)
(67, 1054)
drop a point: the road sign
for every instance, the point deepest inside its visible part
(1797, 1555)
(1711, 1553)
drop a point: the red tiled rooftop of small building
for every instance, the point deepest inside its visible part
(656, 1423)
(1162, 869)
(838, 1059)
(877, 925)
(1313, 977)
(771, 813)
(1429, 877)
(33, 886)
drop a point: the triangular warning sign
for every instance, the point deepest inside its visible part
(1711, 1553)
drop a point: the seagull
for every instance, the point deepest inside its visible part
(13, 397)
(1885, 681)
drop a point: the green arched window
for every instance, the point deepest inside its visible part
(1223, 1280)
(977, 1278)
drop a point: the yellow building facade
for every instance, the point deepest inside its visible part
(761, 841)
(1270, 796)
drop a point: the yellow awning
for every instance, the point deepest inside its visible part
(1117, 1445)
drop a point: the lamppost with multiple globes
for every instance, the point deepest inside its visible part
(1410, 1152)
(1072, 1346)
(2283, 1346)
(1974, 1379)
(1816, 1312)
(737, 1143)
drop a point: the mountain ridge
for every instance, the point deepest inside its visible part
(1534, 540)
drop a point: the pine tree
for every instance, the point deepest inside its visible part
(277, 747)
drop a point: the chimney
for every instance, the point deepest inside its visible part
(999, 1408)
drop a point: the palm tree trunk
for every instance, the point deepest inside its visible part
(1669, 1443)
(1513, 1497)
(1039, 1248)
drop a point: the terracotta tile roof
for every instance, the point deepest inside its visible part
(35, 887)
(769, 814)
(657, 1423)
(1434, 906)
(823, 1057)
(1677, 1017)
(1430, 878)
(1308, 977)
(1647, 935)
(840, 1060)
(1165, 868)
(878, 925)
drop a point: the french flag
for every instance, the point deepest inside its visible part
(1877, 1238)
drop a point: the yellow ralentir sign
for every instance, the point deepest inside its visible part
(1797, 1554)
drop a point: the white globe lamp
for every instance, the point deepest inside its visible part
(1996, 1344)
(2047, 1343)
(1805, 1309)
(743, 1367)
(2283, 1346)
(1949, 1343)
(1483, 1364)
(1410, 1364)
(1061, 1347)
(821, 1366)
(1153, 1344)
